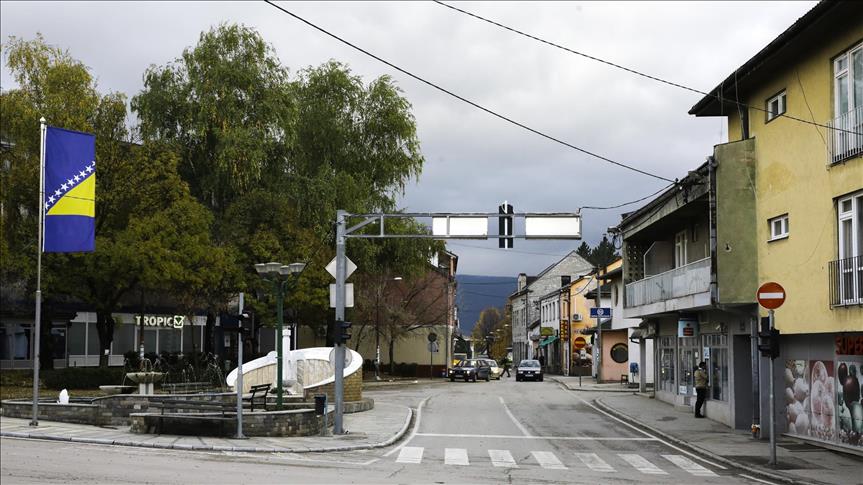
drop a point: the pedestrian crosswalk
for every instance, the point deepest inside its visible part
(608, 463)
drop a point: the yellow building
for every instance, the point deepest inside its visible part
(581, 359)
(799, 104)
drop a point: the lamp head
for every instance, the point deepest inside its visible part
(261, 269)
(297, 268)
(273, 268)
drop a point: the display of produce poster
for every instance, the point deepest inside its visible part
(849, 405)
(822, 424)
(798, 411)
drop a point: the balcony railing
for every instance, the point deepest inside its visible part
(845, 138)
(846, 281)
(683, 281)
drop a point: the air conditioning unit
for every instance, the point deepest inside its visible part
(576, 317)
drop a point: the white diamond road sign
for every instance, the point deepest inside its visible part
(349, 270)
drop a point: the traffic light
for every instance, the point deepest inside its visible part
(343, 330)
(768, 340)
(504, 225)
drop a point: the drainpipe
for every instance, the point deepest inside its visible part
(711, 176)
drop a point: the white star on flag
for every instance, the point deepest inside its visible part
(51, 199)
(82, 174)
(89, 168)
(70, 182)
(46, 205)
(57, 193)
(64, 187)
(77, 178)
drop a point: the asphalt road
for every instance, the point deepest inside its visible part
(496, 432)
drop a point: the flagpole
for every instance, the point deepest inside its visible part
(38, 323)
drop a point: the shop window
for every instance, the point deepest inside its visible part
(690, 356)
(666, 364)
(620, 353)
(717, 365)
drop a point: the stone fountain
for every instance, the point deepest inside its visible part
(146, 377)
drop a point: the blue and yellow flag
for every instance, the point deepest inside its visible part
(70, 191)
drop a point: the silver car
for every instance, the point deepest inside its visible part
(496, 371)
(528, 369)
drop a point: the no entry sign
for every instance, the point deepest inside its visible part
(771, 295)
(579, 343)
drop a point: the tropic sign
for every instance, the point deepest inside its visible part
(175, 321)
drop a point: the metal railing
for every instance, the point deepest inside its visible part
(686, 280)
(846, 139)
(846, 281)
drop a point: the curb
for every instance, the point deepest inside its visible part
(244, 449)
(697, 449)
(589, 389)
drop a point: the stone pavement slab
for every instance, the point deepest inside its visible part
(797, 464)
(381, 426)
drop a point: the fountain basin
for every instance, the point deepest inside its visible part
(111, 390)
(145, 377)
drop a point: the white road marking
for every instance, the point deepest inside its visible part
(502, 458)
(455, 456)
(636, 428)
(594, 462)
(641, 464)
(413, 431)
(411, 454)
(547, 460)
(757, 479)
(689, 466)
(517, 437)
(521, 427)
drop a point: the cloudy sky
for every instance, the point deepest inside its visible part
(473, 160)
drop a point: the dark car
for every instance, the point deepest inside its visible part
(529, 369)
(470, 370)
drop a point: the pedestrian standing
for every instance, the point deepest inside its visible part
(700, 388)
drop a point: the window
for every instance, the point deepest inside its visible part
(620, 353)
(717, 365)
(680, 249)
(845, 139)
(776, 106)
(778, 227)
(666, 363)
(846, 274)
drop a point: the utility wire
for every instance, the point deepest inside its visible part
(628, 203)
(465, 100)
(718, 97)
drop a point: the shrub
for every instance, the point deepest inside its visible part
(82, 377)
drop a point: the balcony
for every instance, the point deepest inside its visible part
(846, 281)
(845, 138)
(681, 288)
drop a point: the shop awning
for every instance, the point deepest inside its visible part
(547, 341)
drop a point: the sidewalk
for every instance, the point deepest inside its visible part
(798, 463)
(377, 428)
(588, 383)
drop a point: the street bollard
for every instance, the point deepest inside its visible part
(321, 410)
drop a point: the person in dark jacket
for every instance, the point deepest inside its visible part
(700, 388)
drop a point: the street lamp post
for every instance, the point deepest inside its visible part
(278, 275)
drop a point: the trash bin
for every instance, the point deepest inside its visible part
(320, 404)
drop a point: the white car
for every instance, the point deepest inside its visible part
(496, 371)
(528, 369)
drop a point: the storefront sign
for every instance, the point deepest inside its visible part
(546, 331)
(564, 330)
(687, 327)
(175, 321)
(849, 345)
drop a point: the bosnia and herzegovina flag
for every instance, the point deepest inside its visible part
(70, 191)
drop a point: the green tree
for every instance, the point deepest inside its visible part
(604, 253)
(487, 330)
(584, 251)
(150, 233)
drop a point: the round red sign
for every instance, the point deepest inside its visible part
(770, 295)
(578, 343)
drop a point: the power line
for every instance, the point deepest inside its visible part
(465, 100)
(718, 97)
(629, 203)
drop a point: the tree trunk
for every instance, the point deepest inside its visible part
(392, 351)
(105, 328)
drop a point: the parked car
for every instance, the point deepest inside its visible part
(496, 371)
(528, 369)
(470, 370)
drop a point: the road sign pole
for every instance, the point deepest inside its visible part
(239, 380)
(772, 405)
(341, 269)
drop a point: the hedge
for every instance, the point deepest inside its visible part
(82, 377)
